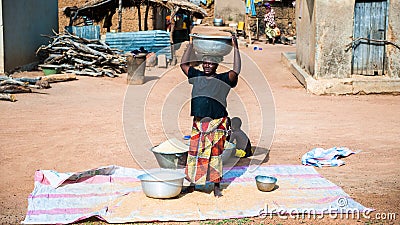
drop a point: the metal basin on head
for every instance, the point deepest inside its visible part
(212, 45)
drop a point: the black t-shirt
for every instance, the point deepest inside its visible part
(209, 94)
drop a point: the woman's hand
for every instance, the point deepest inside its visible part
(233, 74)
(234, 42)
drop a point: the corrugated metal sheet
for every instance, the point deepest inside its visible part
(153, 41)
(370, 18)
(196, 2)
(88, 32)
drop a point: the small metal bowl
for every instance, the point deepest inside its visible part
(265, 183)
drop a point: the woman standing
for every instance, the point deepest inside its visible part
(208, 108)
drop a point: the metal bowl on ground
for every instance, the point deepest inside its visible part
(171, 154)
(265, 183)
(162, 184)
(212, 45)
(170, 160)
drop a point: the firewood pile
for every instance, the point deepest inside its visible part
(9, 85)
(80, 56)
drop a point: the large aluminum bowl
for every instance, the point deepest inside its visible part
(177, 160)
(170, 160)
(162, 184)
(212, 45)
(171, 154)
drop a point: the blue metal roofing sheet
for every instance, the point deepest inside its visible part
(88, 32)
(157, 41)
(196, 2)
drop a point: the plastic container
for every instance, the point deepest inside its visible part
(50, 69)
(240, 25)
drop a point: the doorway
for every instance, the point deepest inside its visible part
(370, 28)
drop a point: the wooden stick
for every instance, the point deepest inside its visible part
(59, 77)
(85, 73)
(12, 82)
(17, 83)
(83, 56)
(8, 97)
(43, 84)
(87, 49)
(14, 89)
(28, 80)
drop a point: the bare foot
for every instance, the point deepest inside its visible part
(189, 189)
(217, 190)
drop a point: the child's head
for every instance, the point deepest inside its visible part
(236, 123)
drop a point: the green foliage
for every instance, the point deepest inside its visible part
(240, 221)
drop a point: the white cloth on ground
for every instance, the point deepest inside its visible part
(326, 157)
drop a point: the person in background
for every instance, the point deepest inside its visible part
(168, 23)
(239, 137)
(208, 108)
(288, 35)
(181, 28)
(87, 21)
(269, 19)
(277, 35)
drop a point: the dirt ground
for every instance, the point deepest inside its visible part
(78, 125)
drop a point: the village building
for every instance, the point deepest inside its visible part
(22, 24)
(355, 53)
(347, 47)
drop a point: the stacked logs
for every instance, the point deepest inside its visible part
(9, 85)
(72, 54)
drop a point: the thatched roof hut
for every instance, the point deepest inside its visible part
(99, 10)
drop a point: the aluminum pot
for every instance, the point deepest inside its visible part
(265, 183)
(171, 160)
(162, 184)
(212, 45)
